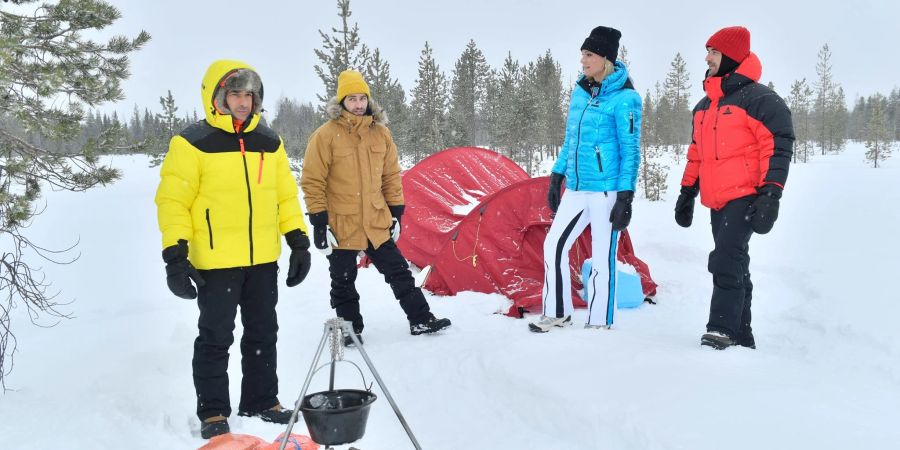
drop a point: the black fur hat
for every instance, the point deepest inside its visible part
(603, 41)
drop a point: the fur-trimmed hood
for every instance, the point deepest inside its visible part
(218, 74)
(333, 111)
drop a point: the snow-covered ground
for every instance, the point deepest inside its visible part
(826, 374)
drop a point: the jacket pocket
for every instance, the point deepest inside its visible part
(376, 159)
(381, 219)
(631, 122)
(209, 227)
(599, 159)
(343, 175)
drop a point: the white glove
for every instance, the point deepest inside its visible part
(324, 239)
(395, 229)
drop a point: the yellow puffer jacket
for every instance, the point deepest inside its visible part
(351, 170)
(230, 194)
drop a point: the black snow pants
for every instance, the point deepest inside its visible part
(390, 263)
(729, 264)
(255, 289)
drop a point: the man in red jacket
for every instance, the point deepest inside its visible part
(738, 162)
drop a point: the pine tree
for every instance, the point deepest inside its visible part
(653, 171)
(48, 72)
(340, 51)
(800, 103)
(830, 106)
(134, 126)
(528, 109)
(539, 101)
(879, 144)
(837, 131)
(429, 106)
(468, 93)
(859, 116)
(168, 118)
(676, 108)
(505, 119)
(388, 92)
(295, 123)
(893, 113)
(492, 109)
(664, 125)
(623, 56)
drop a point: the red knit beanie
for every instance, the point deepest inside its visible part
(733, 42)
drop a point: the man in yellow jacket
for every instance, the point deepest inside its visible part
(225, 197)
(351, 185)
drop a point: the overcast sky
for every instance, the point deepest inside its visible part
(278, 38)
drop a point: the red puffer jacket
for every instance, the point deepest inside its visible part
(742, 137)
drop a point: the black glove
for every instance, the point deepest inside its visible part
(300, 257)
(180, 272)
(620, 216)
(684, 206)
(396, 213)
(323, 238)
(764, 210)
(555, 191)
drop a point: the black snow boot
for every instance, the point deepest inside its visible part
(717, 340)
(746, 340)
(348, 341)
(276, 414)
(214, 426)
(431, 324)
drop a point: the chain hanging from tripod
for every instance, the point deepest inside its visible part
(336, 339)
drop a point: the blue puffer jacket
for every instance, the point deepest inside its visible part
(601, 151)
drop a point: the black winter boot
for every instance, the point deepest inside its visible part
(431, 324)
(746, 340)
(214, 426)
(717, 340)
(276, 414)
(348, 341)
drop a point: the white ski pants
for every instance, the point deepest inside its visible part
(578, 209)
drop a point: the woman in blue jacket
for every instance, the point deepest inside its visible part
(599, 161)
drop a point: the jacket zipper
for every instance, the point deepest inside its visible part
(631, 122)
(599, 161)
(594, 91)
(209, 227)
(249, 196)
(716, 132)
(700, 134)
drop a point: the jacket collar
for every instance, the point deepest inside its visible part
(353, 121)
(749, 71)
(333, 111)
(615, 81)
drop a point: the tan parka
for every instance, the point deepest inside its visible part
(351, 170)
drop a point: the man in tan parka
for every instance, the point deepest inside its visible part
(351, 183)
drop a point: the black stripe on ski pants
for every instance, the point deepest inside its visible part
(390, 263)
(255, 290)
(557, 267)
(729, 264)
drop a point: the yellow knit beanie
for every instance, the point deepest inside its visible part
(351, 82)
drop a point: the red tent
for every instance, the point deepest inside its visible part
(479, 221)
(441, 189)
(498, 247)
